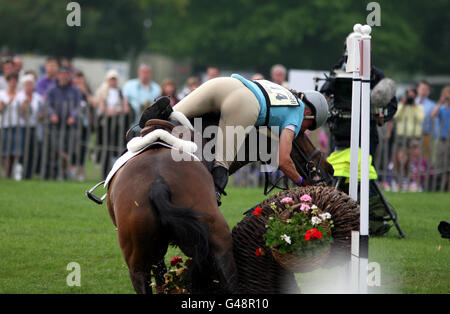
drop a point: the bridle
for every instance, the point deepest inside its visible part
(309, 172)
(312, 168)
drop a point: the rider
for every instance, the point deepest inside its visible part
(248, 103)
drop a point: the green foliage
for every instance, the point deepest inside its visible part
(111, 29)
(295, 229)
(414, 35)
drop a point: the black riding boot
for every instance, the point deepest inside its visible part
(220, 177)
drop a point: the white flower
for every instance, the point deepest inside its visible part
(325, 216)
(286, 238)
(313, 207)
(316, 220)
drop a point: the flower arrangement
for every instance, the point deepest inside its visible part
(176, 277)
(298, 230)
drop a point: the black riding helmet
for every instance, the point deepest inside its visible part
(161, 109)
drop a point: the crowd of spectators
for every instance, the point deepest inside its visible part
(419, 132)
(39, 114)
(62, 98)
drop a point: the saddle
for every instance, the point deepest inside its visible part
(156, 130)
(155, 124)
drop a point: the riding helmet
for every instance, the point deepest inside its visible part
(319, 106)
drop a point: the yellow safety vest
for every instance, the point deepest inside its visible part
(340, 160)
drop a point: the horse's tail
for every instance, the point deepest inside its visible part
(181, 224)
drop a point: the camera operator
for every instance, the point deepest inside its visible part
(338, 90)
(340, 125)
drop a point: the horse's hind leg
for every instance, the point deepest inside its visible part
(141, 262)
(142, 248)
(141, 280)
(140, 267)
(222, 247)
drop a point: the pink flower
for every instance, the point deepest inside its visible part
(286, 200)
(306, 198)
(305, 207)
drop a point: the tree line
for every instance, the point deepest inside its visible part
(414, 36)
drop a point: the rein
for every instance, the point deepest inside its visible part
(312, 170)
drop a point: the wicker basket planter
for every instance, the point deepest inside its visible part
(298, 264)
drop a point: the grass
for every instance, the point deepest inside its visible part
(46, 225)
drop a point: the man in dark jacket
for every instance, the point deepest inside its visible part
(63, 99)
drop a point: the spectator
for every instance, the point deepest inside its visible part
(418, 167)
(7, 69)
(401, 168)
(9, 109)
(257, 76)
(33, 73)
(108, 97)
(110, 107)
(64, 100)
(442, 112)
(31, 109)
(212, 72)
(191, 84)
(67, 63)
(86, 103)
(409, 118)
(170, 89)
(140, 93)
(79, 80)
(278, 75)
(423, 91)
(18, 66)
(46, 82)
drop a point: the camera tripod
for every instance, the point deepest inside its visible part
(374, 185)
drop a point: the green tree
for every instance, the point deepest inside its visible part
(110, 29)
(414, 35)
(251, 34)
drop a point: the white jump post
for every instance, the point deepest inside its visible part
(353, 65)
(359, 62)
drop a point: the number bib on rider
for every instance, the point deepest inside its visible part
(278, 95)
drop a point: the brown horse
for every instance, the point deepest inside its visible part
(155, 201)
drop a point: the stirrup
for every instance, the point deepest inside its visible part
(219, 198)
(93, 197)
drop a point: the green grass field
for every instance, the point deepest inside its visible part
(46, 225)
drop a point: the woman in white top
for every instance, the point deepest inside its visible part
(10, 125)
(114, 119)
(31, 114)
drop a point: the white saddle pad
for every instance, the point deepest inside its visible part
(122, 160)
